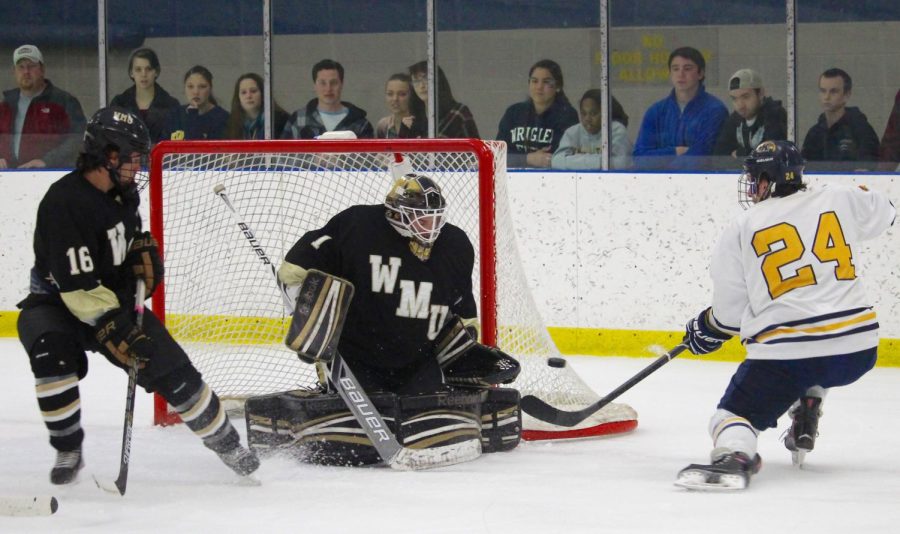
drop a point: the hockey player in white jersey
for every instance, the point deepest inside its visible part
(785, 279)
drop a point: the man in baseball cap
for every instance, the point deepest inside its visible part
(40, 124)
(28, 51)
(756, 117)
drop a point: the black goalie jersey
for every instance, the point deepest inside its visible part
(400, 302)
(80, 242)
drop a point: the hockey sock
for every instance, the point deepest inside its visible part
(734, 433)
(200, 409)
(54, 362)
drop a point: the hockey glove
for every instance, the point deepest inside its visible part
(143, 257)
(701, 337)
(117, 333)
(481, 366)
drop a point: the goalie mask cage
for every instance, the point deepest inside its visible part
(222, 306)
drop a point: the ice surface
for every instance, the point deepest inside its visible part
(850, 483)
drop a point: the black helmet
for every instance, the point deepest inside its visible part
(780, 163)
(116, 128)
(415, 208)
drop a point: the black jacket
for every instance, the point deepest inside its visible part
(735, 136)
(157, 115)
(849, 139)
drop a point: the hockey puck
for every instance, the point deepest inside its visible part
(556, 362)
(54, 505)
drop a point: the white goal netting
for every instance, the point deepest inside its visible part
(221, 303)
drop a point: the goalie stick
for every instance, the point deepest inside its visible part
(539, 409)
(125, 457)
(354, 396)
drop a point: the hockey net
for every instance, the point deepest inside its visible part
(221, 304)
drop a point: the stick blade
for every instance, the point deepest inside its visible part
(110, 487)
(539, 409)
(218, 188)
(28, 506)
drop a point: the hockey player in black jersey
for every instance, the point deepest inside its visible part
(408, 334)
(89, 252)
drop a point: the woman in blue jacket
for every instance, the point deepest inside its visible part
(532, 129)
(202, 118)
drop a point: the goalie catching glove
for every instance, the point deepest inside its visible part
(465, 362)
(701, 337)
(118, 334)
(143, 257)
(318, 317)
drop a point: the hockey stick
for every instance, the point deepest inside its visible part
(124, 459)
(28, 506)
(539, 409)
(354, 396)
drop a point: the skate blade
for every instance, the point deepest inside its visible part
(247, 480)
(702, 481)
(797, 457)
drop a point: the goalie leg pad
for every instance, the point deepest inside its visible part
(501, 420)
(318, 428)
(318, 316)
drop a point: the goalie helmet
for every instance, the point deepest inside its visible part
(415, 208)
(117, 129)
(779, 163)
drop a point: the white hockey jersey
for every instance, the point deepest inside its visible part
(785, 273)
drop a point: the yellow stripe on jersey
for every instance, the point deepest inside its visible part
(828, 327)
(88, 306)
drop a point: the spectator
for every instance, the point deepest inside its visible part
(842, 133)
(146, 98)
(756, 117)
(889, 153)
(247, 118)
(581, 144)
(327, 112)
(686, 122)
(397, 96)
(533, 129)
(455, 120)
(40, 124)
(202, 117)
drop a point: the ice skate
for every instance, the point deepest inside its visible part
(242, 461)
(728, 472)
(801, 437)
(66, 468)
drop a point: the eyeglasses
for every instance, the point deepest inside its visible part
(420, 80)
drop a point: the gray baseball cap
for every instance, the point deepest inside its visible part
(745, 79)
(28, 51)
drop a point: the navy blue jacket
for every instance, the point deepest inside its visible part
(525, 131)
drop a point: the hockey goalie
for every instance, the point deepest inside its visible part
(389, 287)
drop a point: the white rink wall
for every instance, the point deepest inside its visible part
(600, 250)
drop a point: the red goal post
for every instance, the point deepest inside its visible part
(219, 305)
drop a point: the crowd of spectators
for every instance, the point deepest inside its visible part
(41, 125)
